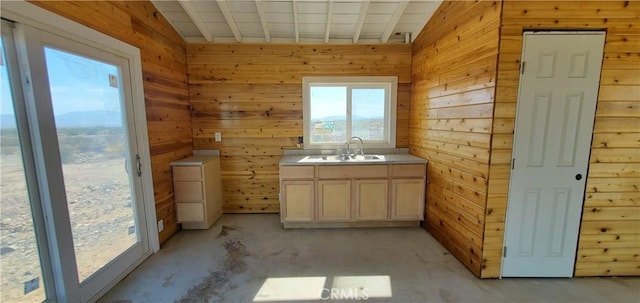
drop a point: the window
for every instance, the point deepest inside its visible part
(338, 108)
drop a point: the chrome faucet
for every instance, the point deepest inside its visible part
(350, 152)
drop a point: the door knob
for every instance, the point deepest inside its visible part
(579, 177)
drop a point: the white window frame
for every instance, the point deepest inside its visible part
(390, 83)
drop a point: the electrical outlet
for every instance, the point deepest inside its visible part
(160, 225)
(218, 136)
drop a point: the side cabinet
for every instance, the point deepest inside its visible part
(407, 192)
(297, 190)
(197, 188)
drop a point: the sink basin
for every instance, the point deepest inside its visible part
(369, 158)
(336, 158)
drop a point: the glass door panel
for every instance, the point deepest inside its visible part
(21, 278)
(92, 133)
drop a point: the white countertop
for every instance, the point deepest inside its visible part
(195, 160)
(388, 159)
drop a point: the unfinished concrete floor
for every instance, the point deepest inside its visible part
(231, 261)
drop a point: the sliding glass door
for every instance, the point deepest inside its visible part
(87, 170)
(21, 270)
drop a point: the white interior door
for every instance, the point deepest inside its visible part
(554, 125)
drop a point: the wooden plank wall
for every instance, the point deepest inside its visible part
(610, 231)
(452, 95)
(252, 94)
(165, 83)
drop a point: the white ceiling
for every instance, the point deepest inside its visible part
(298, 21)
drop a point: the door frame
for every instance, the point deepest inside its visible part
(544, 32)
(31, 15)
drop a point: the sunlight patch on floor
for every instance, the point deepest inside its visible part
(291, 289)
(313, 288)
(362, 287)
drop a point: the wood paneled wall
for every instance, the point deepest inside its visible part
(165, 83)
(252, 94)
(609, 241)
(451, 116)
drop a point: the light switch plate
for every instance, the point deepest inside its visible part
(218, 136)
(160, 225)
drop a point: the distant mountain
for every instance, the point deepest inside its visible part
(89, 119)
(75, 119)
(342, 118)
(330, 118)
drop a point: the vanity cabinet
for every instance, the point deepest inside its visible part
(197, 189)
(352, 195)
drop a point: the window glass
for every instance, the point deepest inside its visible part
(328, 114)
(367, 113)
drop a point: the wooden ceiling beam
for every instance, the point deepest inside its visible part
(226, 12)
(296, 27)
(263, 20)
(363, 15)
(197, 21)
(395, 18)
(327, 30)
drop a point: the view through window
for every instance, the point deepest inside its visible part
(339, 108)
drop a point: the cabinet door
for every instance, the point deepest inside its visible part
(407, 199)
(298, 198)
(371, 200)
(334, 200)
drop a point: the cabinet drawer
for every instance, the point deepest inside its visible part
(408, 170)
(187, 172)
(352, 171)
(296, 172)
(188, 191)
(190, 212)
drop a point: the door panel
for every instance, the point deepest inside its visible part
(90, 121)
(528, 218)
(557, 229)
(555, 116)
(21, 270)
(538, 127)
(570, 129)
